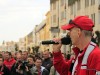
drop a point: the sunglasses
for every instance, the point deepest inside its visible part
(71, 22)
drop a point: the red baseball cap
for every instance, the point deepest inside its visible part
(82, 22)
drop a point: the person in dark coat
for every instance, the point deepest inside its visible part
(20, 67)
(3, 69)
(38, 69)
(47, 62)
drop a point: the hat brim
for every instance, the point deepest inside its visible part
(67, 27)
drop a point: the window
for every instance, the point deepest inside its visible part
(63, 15)
(74, 9)
(92, 2)
(54, 18)
(99, 17)
(71, 9)
(62, 2)
(98, 1)
(54, 5)
(93, 17)
(78, 5)
(51, 7)
(86, 3)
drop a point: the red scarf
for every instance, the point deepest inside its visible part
(39, 72)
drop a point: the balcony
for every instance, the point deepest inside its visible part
(99, 7)
(55, 29)
(52, 1)
(71, 2)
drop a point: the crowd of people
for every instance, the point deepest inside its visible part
(24, 63)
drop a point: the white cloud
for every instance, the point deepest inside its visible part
(18, 17)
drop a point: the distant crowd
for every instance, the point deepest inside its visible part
(24, 63)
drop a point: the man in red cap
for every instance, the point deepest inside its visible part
(87, 61)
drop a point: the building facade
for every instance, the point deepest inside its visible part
(58, 9)
(40, 35)
(29, 41)
(21, 44)
(8, 46)
(47, 31)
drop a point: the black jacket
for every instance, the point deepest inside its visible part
(44, 71)
(4, 70)
(15, 72)
(47, 63)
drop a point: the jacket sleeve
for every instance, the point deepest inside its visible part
(49, 65)
(60, 64)
(7, 71)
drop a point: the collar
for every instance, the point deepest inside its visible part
(77, 51)
(80, 57)
(11, 59)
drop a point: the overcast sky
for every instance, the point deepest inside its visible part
(19, 17)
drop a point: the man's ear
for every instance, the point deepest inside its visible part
(79, 32)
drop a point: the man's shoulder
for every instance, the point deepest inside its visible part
(96, 52)
(45, 70)
(34, 68)
(47, 60)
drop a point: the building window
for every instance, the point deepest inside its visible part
(92, 2)
(78, 5)
(71, 9)
(86, 3)
(54, 5)
(63, 15)
(54, 18)
(93, 17)
(98, 1)
(51, 7)
(74, 9)
(62, 2)
(99, 17)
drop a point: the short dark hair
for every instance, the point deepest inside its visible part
(9, 53)
(38, 58)
(30, 56)
(25, 52)
(88, 33)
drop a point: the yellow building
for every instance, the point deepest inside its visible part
(40, 35)
(21, 44)
(26, 42)
(47, 27)
(42, 32)
(29, 41)
(47, 30)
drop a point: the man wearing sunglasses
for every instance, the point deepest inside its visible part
(87, 60)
